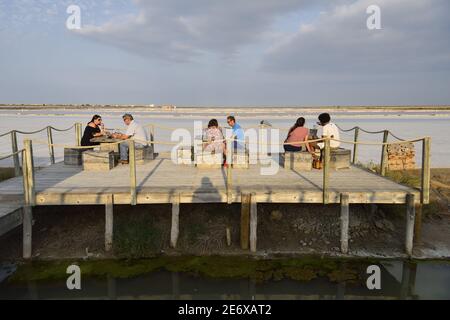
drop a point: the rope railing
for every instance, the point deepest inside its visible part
(326, 141)
(2, 157)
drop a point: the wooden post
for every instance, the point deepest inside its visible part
(15, 149)
(175, 229)
(228, 235)
(229, 171)
(132, 158)
(355, 146)
(410, 218)
(345, 213)
(109, 222)
(78, 134)
(28, 174)
(253, 224)
(384, 155)
(245, 220)
(27, 231)
(426, 171)
(30, 199)
(326, 171)
(51, 149)
(418, 224)
(152, 139)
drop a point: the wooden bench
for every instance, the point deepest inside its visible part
(241, 160)
(208, 160)
(300, 161)
(184, 155)
(143, 154)
(340, 158)
(73, 157)
(98, 160)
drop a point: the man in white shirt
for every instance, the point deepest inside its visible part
(328, 130)
(134, 131)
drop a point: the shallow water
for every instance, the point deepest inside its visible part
(406, 126)
(399, 280)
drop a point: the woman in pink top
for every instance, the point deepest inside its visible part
(297, 133)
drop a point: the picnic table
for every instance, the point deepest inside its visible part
(107, 143)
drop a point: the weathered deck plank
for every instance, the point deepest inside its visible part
(160, 180)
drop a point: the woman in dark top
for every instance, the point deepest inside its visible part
(92, 131)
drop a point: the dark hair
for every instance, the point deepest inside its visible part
(300, 123)
(324, 118)
(213, 123)
(231, 118)
(127, 116)
(95, 118)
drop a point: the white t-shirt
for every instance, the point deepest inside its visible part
(329, 130)
(137, 132)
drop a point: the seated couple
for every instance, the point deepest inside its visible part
(298, 133)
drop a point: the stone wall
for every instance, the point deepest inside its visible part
(401, 156)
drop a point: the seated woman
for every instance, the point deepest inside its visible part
(214, 138)
(93, 129)
(297, 133)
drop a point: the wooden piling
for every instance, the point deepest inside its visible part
(253, 224)
(355, 146)
(28, 174)
(410, 218)
(15, 149)
(384, 155)
(345, 213)
(426, 171)
(109, 222)
(78, 134)
(229, 171)
(175, 228)
(326, 171)
(132, 163)
(51, 149)
(418, 224)
(245, 221)
(27, 225)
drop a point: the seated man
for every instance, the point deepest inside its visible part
(134, 131)
(238, 133)
(328, 130)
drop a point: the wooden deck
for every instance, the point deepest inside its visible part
(161, 181)
(10, 217)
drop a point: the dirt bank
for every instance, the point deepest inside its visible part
(144, 231)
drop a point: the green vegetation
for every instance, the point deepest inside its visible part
(136, 236)
(6, 173)
(304, 269)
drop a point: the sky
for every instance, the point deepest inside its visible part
(225, 52)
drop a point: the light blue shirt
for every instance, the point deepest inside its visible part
(238, 132)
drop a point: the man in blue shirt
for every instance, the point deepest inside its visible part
(238, 132)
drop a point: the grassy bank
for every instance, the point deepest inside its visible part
(6, 173)
(440, 188)
(305, 269)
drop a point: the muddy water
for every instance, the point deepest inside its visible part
(399, 280)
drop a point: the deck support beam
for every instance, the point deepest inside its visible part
(245, 221)
(109, 223)
(27, 232)
(410, 218)
(345, 213)
(175, 229)
(253, 224)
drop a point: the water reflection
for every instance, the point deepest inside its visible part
(398, 281)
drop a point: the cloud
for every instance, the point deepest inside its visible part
(179, 30)
(414, 38)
